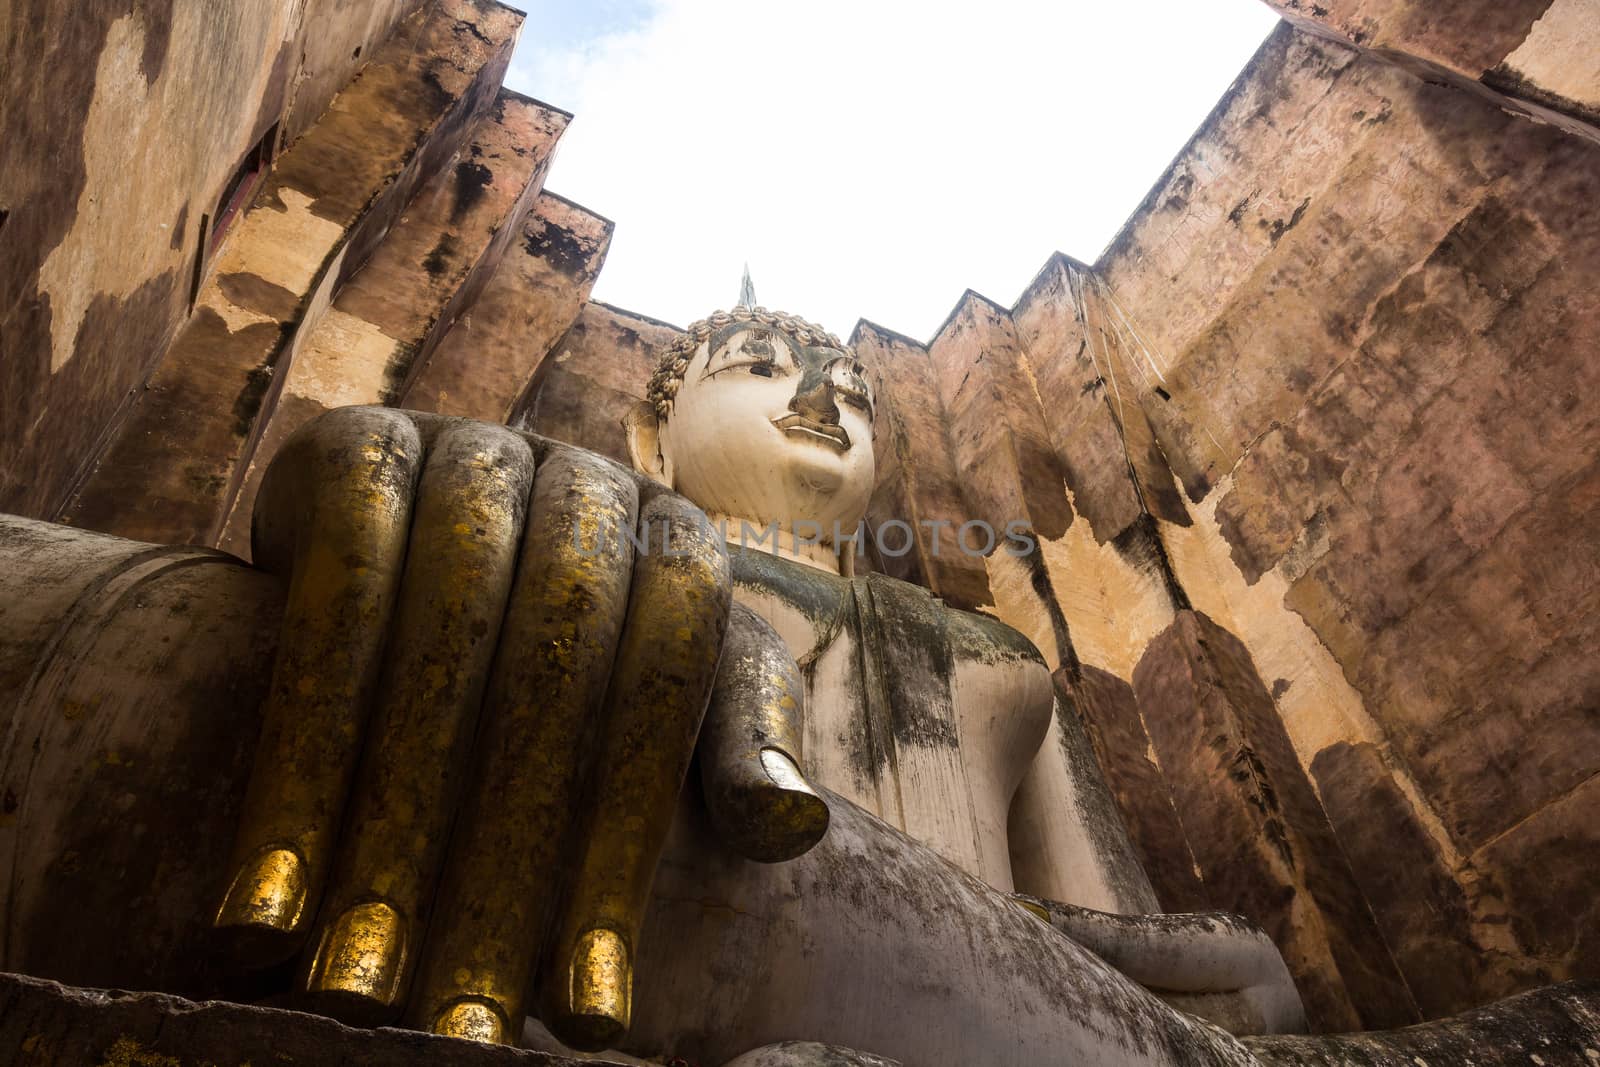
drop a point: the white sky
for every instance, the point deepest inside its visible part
(868, 159)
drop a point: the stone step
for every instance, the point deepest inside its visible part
(490, 354)
(46, 1023)
(327, 204)
(436, 259)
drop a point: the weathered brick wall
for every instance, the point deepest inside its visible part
(1037, 413)
(1535, 55)
(1370, 297)
(174, 461)
(1332, 391)
(593, 375)
(122, 126)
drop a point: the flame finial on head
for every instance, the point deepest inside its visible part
(747, 290)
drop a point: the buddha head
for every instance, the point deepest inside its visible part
(761, 418)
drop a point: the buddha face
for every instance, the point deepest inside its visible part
(766, 429)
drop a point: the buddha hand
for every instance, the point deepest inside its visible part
(484, 703)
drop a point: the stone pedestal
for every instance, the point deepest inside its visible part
(46, 1024)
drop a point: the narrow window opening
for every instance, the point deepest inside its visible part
(241, 187)
(235, 198)
(199, 261)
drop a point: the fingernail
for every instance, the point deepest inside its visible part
(783, 772)
(796, 818)
(268, 891)
(361, 955)
(1033, 908)
(471, 1020)
(601, 989)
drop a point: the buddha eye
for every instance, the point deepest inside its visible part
(854, 398)
(751, 351)
(850, 385)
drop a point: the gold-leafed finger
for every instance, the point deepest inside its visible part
(460, 563)
(758, 798)
(666, 662)
(557, 647)
(331, 517)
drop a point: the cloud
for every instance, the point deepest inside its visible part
(869, 159)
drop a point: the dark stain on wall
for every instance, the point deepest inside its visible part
(438, 259)
(1547, 871)
(1261, 838)
(472, 179)
(1157, 489)
(157, 19)
(1278, 227)
(397, 372)
(180, 228)
(102, 343)
(467, 29)
(256, 293)
(148, 464)
(565, 251)
(48, 107)
(1141, 547)
(258, 381)
(1043, 487)
(1178, 193)
(1475, 35)
(1423, 911)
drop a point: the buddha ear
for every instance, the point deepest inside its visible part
(643, 429)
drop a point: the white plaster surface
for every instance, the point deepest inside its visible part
(1561, 54)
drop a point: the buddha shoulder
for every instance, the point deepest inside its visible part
(999, 686)
(982, 644)
(968, 635)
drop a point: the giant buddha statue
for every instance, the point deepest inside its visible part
(429, 759)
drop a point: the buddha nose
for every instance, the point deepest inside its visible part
(813, 398)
